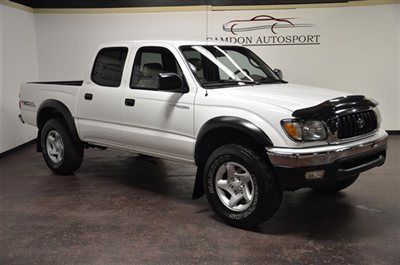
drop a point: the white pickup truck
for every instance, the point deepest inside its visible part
(251, 134)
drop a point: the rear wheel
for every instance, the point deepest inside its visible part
(338, 186)
(62, 155)
(240, 186)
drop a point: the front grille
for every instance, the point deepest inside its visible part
(354, 124)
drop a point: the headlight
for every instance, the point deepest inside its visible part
(305, 130)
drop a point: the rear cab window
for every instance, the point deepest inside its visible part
(108, 66)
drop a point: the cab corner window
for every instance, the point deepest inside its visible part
(108, 66)
(149, 63)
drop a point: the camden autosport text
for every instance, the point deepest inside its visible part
(312, 39)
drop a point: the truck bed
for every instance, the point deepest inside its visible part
(33, 94)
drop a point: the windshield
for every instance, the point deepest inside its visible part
(218, 66)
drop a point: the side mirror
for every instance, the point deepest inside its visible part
(170, 82)
(279, 73)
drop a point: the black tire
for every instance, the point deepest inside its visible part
(338, 186)
(73, 152)
(267, 194)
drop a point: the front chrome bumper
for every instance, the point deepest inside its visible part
(325, 155)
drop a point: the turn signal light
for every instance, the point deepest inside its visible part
(304, 130)
(293, 129)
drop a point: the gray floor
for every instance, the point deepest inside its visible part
(121, 209)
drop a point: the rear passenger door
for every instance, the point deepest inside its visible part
(161, 121)
(99, 98)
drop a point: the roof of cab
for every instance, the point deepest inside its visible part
(176, 43)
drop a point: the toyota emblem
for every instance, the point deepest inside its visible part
(360, 123)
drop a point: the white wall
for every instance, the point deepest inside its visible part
(398, 56)
(18, 65)
(67, 41)
(1, 77)
(359, 50)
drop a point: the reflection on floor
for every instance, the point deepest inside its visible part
(123, 209)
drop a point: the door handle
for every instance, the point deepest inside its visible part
(88, 96)
(130, 102)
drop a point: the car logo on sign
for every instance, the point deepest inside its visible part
(360, 123)
(260, 22)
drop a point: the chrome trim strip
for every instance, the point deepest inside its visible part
(337, 141)
(323, 155)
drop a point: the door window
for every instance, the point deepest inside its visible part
(108, 66)
(149, 63)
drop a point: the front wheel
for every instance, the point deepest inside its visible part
(240, 186)
(62, 155)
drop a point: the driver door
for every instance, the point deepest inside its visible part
(157, 120)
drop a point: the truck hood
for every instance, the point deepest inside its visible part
(289, 96)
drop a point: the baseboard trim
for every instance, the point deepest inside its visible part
(16, 149)
(393, 132)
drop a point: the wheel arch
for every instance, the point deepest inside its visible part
(53, 108)
(222, 130)
(229, 124)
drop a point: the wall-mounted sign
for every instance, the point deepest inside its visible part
(266, 30)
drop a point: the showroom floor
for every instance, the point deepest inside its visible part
(123, 209)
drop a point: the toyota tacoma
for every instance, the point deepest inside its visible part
(251, 134)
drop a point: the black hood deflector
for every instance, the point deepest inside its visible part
(334, 107)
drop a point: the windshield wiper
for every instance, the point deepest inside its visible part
(271, 81)
(222, 83)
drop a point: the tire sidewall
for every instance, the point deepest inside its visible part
(211, 191)
(73, 151)
(50, 126)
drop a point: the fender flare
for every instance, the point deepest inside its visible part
(230, 122)
(65, 113)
